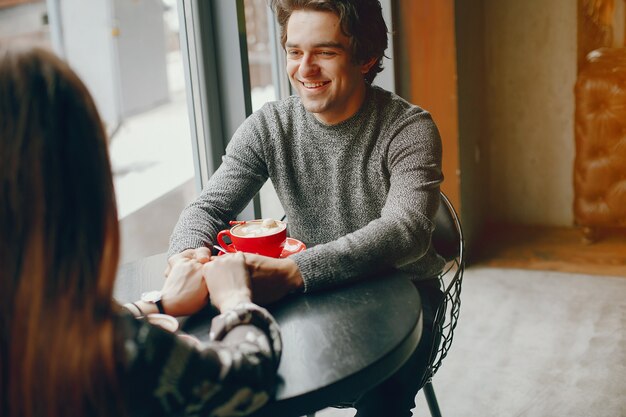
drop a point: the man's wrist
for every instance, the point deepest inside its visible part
(294, 277)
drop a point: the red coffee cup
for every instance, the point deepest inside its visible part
(254, 236)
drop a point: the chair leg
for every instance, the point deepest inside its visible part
(431, 399)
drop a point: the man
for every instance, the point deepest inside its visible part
(356, 168)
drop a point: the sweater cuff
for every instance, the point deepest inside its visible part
(314, 275)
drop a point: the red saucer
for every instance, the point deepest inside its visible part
(291, 246)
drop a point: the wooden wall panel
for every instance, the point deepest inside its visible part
(427, 40)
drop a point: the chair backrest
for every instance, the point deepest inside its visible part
(447, 235)
(447, 240)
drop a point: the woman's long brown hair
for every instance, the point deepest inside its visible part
(59, 244)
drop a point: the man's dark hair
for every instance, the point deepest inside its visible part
(361, 20)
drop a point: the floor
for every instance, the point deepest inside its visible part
(553, 249)
(533, 344)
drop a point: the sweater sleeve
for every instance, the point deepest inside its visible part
(400, 238)
(240, 176)
(233, 374)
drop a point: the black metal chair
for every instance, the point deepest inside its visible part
(448, 241)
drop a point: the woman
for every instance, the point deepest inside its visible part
(66, 348)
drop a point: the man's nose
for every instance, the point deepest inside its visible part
(308, 66)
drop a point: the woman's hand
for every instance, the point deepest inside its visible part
(184, 291)
(201, 254)
(227, 280)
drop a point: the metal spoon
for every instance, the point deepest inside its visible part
(219, 248)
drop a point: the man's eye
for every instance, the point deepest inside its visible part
(293, 53)
(327, 53)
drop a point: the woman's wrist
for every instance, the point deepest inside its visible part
(141, 308)
(133, 309)
(233, 299)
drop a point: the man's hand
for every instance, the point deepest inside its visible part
(202, 255)
(228, 281)
(272, 278)
(184, 291)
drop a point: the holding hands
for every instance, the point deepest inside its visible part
(193, 276)
(201, 255)
(234, 278)
(184, 291)
(227, 281)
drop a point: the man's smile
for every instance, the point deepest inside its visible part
(314, 85)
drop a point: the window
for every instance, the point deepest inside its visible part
(128, 55)
(264, 65)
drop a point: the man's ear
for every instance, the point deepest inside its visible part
(367, 65)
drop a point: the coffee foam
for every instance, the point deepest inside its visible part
(258, 228)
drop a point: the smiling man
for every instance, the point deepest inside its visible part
(356, 168)
(321, 68)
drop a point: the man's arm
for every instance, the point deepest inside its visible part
(240, 176)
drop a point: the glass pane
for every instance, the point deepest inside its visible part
(262, 85)
(24, 20)
(151, 150)
(128, 55)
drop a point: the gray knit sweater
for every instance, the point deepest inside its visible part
(360, 194)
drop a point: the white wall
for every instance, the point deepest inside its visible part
(86, 29)
(530, 71)
(23, 21)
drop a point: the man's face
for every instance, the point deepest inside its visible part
(320, 66)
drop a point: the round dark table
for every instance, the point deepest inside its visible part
(336, 343)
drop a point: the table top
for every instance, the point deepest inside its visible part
(336, 343)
